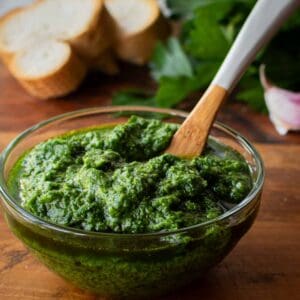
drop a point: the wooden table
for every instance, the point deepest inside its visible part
(264, 265)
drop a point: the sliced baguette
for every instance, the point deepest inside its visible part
(7, 46)
(74, 21)
(25, 34)
(97, 39)
(138, 26)
(49, 69)
(49, 45)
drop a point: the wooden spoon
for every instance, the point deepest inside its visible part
(262, 23)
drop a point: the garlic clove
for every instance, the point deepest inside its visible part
(283, 105)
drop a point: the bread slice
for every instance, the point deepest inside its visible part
(106, 62)
(49, 45)
(94, 41)
(48, 69)
(74, 21)
(25, 34)
(138, 26)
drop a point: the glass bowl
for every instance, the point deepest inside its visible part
(128, 265)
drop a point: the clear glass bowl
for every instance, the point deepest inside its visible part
(128, 265)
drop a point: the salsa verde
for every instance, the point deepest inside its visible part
(116, 179)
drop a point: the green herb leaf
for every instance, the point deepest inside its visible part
(133, 97)
(251, 92)
(209, 28)
(205, 71)
(204, 39)
(282, 59)
(186, 8)
(170, 61)
(171, 91)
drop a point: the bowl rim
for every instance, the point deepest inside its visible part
(8, 199)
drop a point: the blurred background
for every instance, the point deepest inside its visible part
(176, 55)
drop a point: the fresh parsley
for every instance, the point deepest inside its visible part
(189, 62)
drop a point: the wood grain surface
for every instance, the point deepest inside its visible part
(264, 265)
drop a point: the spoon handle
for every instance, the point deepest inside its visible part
(262, 23)
(264, 20)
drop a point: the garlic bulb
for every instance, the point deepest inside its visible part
(283, 105)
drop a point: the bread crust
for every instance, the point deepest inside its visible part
(92, 43)
(86, 45)
(63, 80)
(94, 46)
(5, 54)
(106, 63)
(137, 47)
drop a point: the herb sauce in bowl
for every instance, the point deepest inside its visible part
(115, 179)
(103, 207)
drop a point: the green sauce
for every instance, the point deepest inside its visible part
(116, 180)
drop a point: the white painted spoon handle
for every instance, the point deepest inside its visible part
(264, 20)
